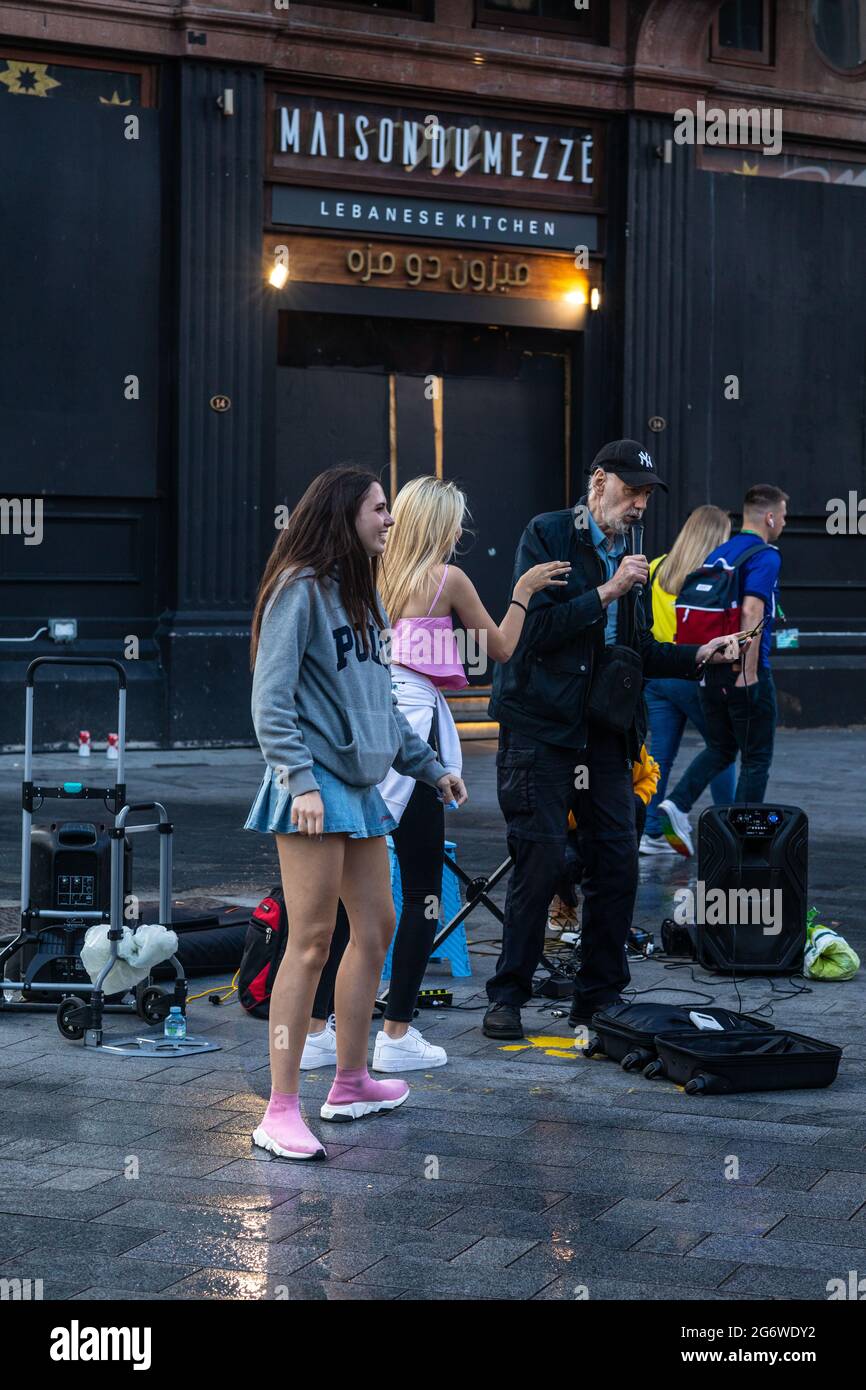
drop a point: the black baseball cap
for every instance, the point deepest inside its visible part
(630, 461)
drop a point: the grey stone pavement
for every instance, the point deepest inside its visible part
(555, 1173)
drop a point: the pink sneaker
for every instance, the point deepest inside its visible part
(283, 1131)
(355, 1094)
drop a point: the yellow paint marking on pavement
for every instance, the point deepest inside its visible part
(552, 1044)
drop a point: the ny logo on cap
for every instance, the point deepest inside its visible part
(645, 459)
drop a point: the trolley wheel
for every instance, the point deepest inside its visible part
(153, 1004)
(696, 1086)
(593, 1048)
(653, 1069)
(631, 1061)
(67, 1010)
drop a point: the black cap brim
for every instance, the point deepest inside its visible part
(635, 477)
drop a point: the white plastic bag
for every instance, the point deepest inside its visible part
(138, 952)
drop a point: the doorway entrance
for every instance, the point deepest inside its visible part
(492, 408)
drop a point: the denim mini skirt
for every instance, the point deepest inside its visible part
(358, 812)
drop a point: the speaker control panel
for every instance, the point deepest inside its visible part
(756, 822)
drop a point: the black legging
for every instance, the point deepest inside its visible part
(419, 843)
(323, 1004)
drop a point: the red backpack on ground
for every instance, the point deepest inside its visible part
(264, 948)
(708, 604)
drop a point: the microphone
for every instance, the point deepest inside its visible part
(637, 549)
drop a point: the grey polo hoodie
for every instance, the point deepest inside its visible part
(317, 695)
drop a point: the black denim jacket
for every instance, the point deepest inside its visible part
(542, 690)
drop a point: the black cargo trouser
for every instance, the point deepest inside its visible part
(536, 788)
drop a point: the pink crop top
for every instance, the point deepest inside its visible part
(429, 646)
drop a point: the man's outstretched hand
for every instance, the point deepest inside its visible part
(722, 650)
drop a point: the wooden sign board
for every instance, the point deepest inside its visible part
(510, 272)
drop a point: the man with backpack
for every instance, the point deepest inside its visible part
(572, 721)
(736, 589)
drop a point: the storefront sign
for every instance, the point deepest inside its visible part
(480, 274)
(413, 266)
(314, 135)
(355, 212)
(787, 165)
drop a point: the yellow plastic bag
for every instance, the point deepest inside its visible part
(645, 779)
(645, 776)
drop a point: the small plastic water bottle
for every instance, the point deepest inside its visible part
(175, 1024)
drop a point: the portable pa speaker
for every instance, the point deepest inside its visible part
(70, 868)
(758, 857)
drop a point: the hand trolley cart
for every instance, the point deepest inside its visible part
(55, 935)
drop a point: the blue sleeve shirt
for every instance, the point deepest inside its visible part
(610, 557)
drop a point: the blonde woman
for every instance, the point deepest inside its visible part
(670, 703)
(420, 589)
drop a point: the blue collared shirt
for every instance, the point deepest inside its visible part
(610, 558)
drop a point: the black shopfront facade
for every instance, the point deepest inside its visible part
(164, 399)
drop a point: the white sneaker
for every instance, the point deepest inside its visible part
(320, 1049)
(655, 844)
(678, 830)
(409, 1053)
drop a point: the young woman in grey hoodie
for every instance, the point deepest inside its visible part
(329, 728)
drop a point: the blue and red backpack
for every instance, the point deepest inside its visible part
(708, 604)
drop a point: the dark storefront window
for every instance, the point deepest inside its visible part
(43, 75)
(839, 27)
(561, 16)
(742, 32)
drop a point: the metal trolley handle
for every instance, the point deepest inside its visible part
(29, 693)
(164, 829)
(74, 790)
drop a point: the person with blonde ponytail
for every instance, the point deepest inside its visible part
(672, 703)
(421, 588)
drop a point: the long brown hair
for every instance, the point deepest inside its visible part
(321, 535)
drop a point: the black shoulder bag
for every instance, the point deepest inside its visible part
(615, 692)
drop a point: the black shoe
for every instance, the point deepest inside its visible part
(582, 1014)
(502, 1021)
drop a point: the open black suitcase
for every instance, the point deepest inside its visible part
(210, 941)
(726, 1063)
(626, 1032)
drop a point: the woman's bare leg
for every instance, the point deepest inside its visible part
(366, 893)
(311, 870)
